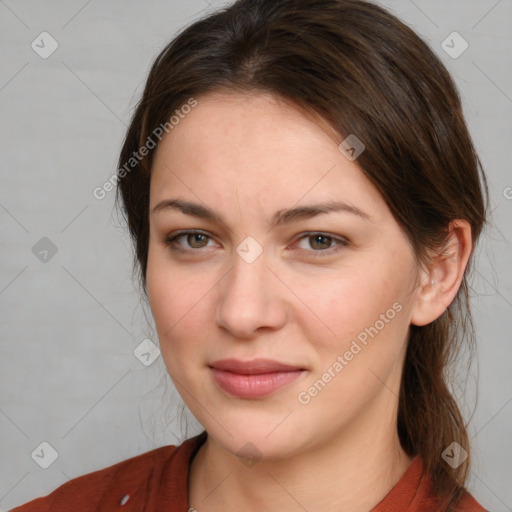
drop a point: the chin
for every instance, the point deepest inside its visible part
(253, 438)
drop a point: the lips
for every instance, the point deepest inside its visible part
(254, 367)
(253, 379)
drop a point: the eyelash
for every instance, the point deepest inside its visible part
(341, 243)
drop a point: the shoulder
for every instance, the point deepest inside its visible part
(123, 481)
(414, 492)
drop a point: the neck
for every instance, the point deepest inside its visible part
(351, 471)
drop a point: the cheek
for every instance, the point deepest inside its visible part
(352, 300)
(363, 314)
(369, 320)
(169, 293)
(179, 305)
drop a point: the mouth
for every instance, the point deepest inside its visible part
(253, 379)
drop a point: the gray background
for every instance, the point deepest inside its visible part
(69, 325)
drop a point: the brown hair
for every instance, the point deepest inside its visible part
(365, 72)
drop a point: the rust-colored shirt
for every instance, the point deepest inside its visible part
(157, 481)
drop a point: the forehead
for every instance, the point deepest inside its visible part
(261, 121)
(260, 145)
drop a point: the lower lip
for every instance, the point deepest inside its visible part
(253, 386)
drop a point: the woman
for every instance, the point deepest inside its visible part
(304, 200)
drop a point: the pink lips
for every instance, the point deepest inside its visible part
(253, 379)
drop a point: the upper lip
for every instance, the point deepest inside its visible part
(253, 367)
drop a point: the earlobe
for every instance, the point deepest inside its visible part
(441, 281)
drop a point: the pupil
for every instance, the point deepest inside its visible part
(196, 238)
(318, 239)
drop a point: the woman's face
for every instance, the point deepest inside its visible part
(330, 294)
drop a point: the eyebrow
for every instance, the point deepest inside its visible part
(280, 217)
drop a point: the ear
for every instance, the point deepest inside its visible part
(440, 282)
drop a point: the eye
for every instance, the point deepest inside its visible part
(321, 243)
(194, 240)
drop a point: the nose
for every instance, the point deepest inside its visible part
(251, 298)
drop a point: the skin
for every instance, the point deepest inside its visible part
(246, 156)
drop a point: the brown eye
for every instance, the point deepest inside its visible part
(320, 241)
(321, 244)
(194, 240)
